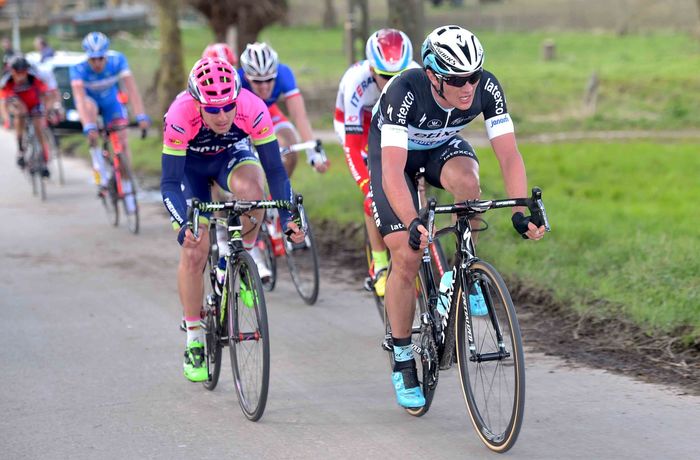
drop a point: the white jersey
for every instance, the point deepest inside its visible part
(357, 92)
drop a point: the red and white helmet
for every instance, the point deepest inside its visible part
(213, 82)
(221, 51)
(389, 51)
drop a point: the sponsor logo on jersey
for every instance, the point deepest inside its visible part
(495, 91)
(422, 119)
(263, 131)
(499, 120)
(405, 107)
(360, 91)
(175, 141)
(434, 123)
(463, 120)
(351, 119)
(173, 212)
(178, 128)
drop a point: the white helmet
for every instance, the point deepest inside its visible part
(452, 50)
(389, 51)
(259, 61)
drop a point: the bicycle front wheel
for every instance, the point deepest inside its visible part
(215, 326)
(302, 261)
(490, 359)
(109, 201)
(130, 205)
(249, 340)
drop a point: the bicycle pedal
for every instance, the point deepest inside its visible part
(368, 284)
(387, 344)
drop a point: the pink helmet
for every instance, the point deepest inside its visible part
(213, 82)
(389, 51)
(221, 51)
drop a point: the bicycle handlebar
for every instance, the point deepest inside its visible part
(533, 203)
(316, 145)
(241, 206)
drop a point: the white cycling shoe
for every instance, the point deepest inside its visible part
(263, 270)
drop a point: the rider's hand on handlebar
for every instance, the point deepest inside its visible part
(417, 235)
(318, 160)
(526, 227)
(294, 233)
(186, 238)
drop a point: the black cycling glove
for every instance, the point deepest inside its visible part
(414, 234)
(520, 223)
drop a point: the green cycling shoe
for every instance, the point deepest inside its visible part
(195, 365)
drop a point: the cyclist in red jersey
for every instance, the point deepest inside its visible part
(23, 94)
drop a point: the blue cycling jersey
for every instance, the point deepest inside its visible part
(103, 86)
(285, 84)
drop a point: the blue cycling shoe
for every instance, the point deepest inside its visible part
(477, 304)
(411, 397)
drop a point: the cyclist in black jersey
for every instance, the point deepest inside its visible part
(415, 125)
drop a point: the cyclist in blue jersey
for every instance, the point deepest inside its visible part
(263, 74)
(95, 83)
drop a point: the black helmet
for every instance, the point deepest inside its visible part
(19, 63)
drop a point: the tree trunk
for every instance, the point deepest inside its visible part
(330, 19)
(409, 17)
(171, 73)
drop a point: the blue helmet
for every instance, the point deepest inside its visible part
(95, 44)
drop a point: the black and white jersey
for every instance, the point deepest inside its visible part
(408, 116)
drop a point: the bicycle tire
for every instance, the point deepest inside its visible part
(265, 244)
(132, 218)
(484, 365)
(369, 282)
(214, 327)
(109, 202)
(55, 154)
(249, 339)
(303, 266)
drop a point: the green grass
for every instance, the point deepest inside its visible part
(623, 229)
(623, 226)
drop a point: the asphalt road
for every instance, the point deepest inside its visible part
(91, 362)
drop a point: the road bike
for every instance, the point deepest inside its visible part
(487, 347)
(302, 258)
(121, 187)
(234, 312)
(36, 159)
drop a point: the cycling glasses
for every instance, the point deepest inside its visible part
(458, 81)
(215, 110)
(262, 81)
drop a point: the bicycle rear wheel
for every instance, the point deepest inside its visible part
(302, 261)
(55, 155)
(490, 359)
(214, 326)
(249, 340)
(369, 281)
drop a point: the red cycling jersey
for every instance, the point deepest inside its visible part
(29, 92)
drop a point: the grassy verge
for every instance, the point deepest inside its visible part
(623, 238)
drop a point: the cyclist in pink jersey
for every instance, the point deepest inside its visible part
(205, 138)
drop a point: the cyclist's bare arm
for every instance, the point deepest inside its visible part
(4, 113)
(514, 176)
(394, 183)
(134, 95)
(80, 98)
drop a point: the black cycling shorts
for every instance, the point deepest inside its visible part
(431, 161)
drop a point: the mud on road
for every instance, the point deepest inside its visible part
(608, 342)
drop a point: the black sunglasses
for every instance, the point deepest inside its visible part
(215, 110)
(458, 81)
(261, 82)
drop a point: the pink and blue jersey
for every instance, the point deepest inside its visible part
(285, 84)
(189, 147)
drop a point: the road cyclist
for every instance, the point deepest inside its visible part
(206, 131)
(415, 125)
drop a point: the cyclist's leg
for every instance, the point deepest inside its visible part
(99, 165)
(286, 135)
(19, 111)
(189, 276)
(456, 169)
(243, 176)
(399, 298)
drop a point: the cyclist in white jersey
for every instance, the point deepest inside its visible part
(388, 53)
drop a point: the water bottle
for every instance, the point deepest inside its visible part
(443, 303)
